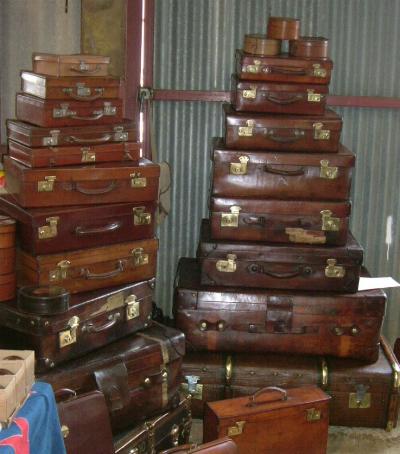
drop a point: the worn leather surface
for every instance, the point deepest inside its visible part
(220, 446)
(113, 383)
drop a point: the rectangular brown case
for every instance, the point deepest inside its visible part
(268, 265)
(247, 130)
(7, 257)
(279, 98)
(280, 221)
(243, 320)
(90, 269)
(283, 68)
(93, 320)
(220, 446)
(70, 65)
(275, 175)
(255, 423)
(52, 230)
(82, 185)
(138, 375)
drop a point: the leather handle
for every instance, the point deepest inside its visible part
(98, 191)
(288, 70)
(64, 392)
(297, 135)
(91, 276)
(254, 220)
(111, 227)
(181, 448)
(93, 117)
(102, 139)
(96, 69)
(283, 101)
(91, 328)
(268, 389)
(86, 98)
(259, 269)
(288, 173)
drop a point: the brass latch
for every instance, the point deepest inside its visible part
(88, 155)
(360, 399)
(251, 93)
(61, 272)
(329, 224)
(329, 173)
(63, 111)
(139, 257)
(247, 131)
(52, 140)
(228, 265)
(108, 109)
(175, 432)
(239, 168)
(231, 219)
(192, 387)
(49, 231)
(64, 431)
(120, 135)
(237, 429)
(313, 414)
(254, 68)
(140, 217)
(319, 133)
(333, 270)
(137, 181)
(312, 96)
(318, 71)
(132, 307)
(47, 185)
(68, 336)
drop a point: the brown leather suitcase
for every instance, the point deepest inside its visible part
(278, 221)
(90, 269)
(93, 320)
(73, 155)
(82, 185)
(162, 432)
(221, 446)
(76, 88)
(269, 97)
(247, 130)
(7, 258)
(242, 320)
(362, 395)
(34, 136)
(272, 420)
(52, 230)
(70, 65)
(283, 68)
(271, 175)
(138, 375)
(51, 113)
(268, 265)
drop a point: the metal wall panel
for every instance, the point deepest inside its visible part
(194, 49)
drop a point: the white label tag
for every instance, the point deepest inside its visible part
(370, 283)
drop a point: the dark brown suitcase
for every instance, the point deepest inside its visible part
(90, 269)
(78, 88)
(283, 68)
(82, 185)
(56, 113)
(269, 97)
(51, 230)
(138, 375)
(162, 432)
(7, 258)
(75, 154)
(362, 395)
(278, 221)
(221, 446)
(269, 265)
(34, 136)
(246, 130)
(271, 175)
(93, 320)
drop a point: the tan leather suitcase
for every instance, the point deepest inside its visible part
(70, 65)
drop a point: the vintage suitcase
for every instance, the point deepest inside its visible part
(285, 28)
(74, 154)
(138, 375)
(268, 265)
(271, 175)
(34, 136)
(8, 286)
(362, 395)
(7, 258)
(52, 230)
(162, 432)
(278, 221)
(246, 130)
(51, 113)
(261, 45)
(94, 320)
(272, 420)
(220, 446)
(279, 98)
(283, 68)
(242, 320)
(82, 185)
(76, 88)
(70, 65)
(309, 47)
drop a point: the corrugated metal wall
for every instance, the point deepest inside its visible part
(194, 49)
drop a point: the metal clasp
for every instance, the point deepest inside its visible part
(137, 181)
(228, 265)
(251, 93)
(47, 185)
(329, 224)
(318, 71)
(319, 133)
(63, 111)
(231, 219)
(139, 257)
(192, 387)
(247, 131)
(313, 414)
(329, 173)
(109, 109)
(68, 337)
(120, 135)
(334, 271)
(360, 399)
(83, 66)
(254, 68)
(52, 140)
(88, 155)
(312, 96)
(237, 429)
(49, 231)
(140, 217)
(82, 90)
(61, 272)
(239, 168)
(132, 307)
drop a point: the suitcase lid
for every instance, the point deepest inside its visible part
(284, 59)
(44, 80)
(50, 104)
(70, 58)
(314, 89)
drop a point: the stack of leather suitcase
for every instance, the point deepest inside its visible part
(277, 267)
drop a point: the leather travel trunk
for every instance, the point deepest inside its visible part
(70, 65)
(55, 113)
(246, 130)
(52, 230)
(90, 269)
(138, 375)
(162, 432)
(268, 265)
(278, 221)
(7, 258)
(82, 185)
(272, 175)
(93, 320)
(269, 97)
(76, 88)
(34, 136)
(283, 68)
(255, 423)
(221, 446)
(74, 155)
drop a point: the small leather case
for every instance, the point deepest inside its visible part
(43, 300)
